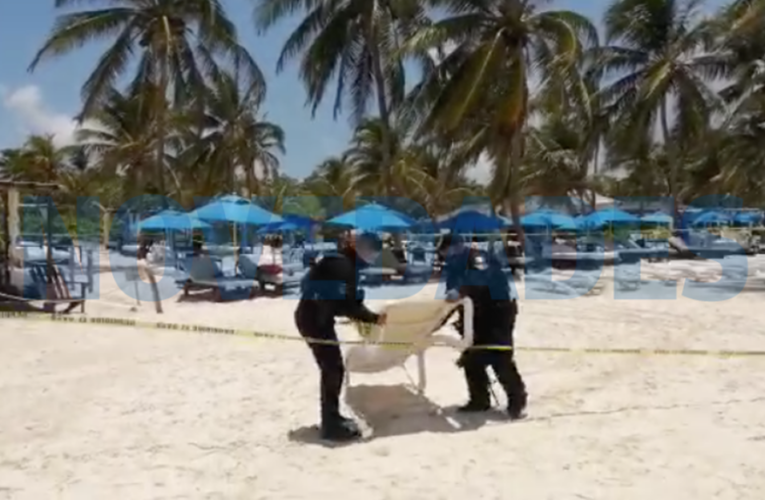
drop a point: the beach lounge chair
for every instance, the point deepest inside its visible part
(391, 266)
(247, 268)
(410, 322)
(59, 288)
(373, 276)
(278, 275)
(205, 274)
(419, 255)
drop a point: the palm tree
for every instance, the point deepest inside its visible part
(121, 139)
(335, 178)
(655, 53)
(734, 158)
(12, 163)
(372, 146)
(174, 41)
(497, 47)
(355, 40)
(39, 160)
(238, 137)
(555, 164)
(739, 31)
(279, 191)
(436, 192)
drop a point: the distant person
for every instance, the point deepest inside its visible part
(144, 248)
(196, 248)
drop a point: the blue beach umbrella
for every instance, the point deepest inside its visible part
(608, 217)
(280, 227)
(372, 217)
(657, 218)
(171, 220)
(236, 210)
(474, 222)
(549, 219)
(710, 217)
(754, 217)
(299, 220)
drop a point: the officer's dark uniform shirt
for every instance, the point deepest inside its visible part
(479, 276)
(331, 289)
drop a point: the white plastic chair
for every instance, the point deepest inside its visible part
(414, 323)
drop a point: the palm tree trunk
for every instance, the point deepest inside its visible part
(596, 160)
(382, 104)
(248, 174)
(161, 119)
(106, 226)
(669, 148)
(513, 200)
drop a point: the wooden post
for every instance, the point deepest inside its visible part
(50, 295)
(8, 240)
(106, 227)
(236, 249)
(71, 264)
(90, 271)
(144, 271)
(14, 224)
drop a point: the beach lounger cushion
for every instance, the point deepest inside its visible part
(206, 274)
(247, 267)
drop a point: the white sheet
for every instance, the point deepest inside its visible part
(408, 322)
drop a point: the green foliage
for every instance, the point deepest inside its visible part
(672, 100)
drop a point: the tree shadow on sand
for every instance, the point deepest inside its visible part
(397, 410)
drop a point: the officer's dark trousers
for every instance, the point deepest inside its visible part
(494, 330)
(328, 357)
(475, 362)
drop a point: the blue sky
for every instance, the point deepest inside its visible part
(43, 102)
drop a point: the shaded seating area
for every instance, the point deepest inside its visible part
(205, 274)
(277, 275)
(393, 267)
(29, 273)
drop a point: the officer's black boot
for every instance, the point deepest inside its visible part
(512, 383)
(516, 392)
(516, 408)
(474, 407)
(339, 429)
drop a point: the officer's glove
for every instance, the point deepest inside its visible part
(453, 296)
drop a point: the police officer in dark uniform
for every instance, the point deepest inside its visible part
(479, 276)
(330, 290)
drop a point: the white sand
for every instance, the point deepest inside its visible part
(93, 412)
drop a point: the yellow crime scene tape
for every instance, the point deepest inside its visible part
(205, 329)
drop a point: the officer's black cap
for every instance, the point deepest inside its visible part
(449, 240)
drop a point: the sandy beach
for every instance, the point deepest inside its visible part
(99, 412)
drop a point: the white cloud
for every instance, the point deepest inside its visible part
(480, 172)
(35, 117)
